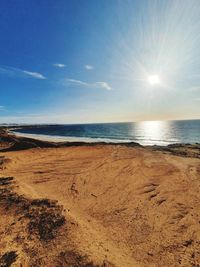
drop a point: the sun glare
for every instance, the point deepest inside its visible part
(153, 79)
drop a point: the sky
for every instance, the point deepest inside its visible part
(82, 61)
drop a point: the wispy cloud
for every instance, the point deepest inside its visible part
(101, 85)
(76, 82)
(36, 75)
(59, 65)
(89, 67)
(17, 72)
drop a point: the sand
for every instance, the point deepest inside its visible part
(117, 205)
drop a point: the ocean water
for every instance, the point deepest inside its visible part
(145, 133)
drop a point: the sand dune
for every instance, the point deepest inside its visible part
(124, 206)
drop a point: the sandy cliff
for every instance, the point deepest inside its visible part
(116, 206)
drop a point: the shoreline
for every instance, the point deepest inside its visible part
(10, 141)
(58, 139)
(91, 140)
(143, 135)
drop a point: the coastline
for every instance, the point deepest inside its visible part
(74, 139)
(9, 141)
(158, 133)
(58, 139)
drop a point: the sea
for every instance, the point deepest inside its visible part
(145, 133)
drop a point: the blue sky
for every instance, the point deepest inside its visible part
(90, 61)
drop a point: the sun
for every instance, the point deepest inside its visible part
(153, 79)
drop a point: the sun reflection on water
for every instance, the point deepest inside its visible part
(154, 132)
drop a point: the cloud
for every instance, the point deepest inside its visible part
(89, 67)
(11, 71)
(59, 65)
(76, 82)
(2, 108)
(6, 71)
(101, 85)
(36, 75)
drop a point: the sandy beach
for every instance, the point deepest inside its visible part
(98, 204)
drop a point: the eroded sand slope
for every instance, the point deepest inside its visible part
(124, 206)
